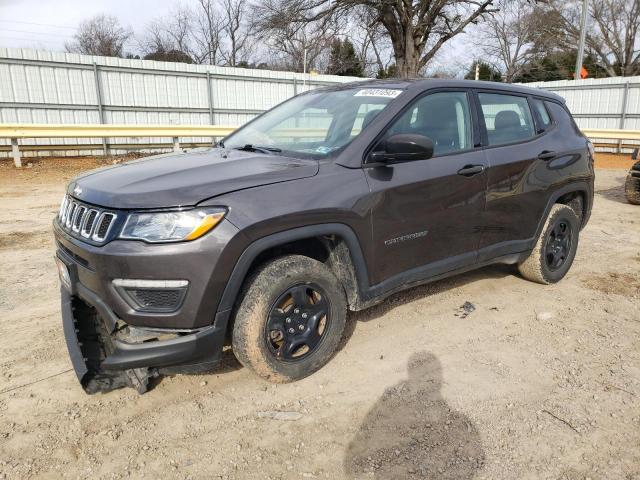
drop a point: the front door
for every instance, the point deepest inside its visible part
(426, 214)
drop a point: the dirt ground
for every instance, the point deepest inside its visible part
(539, 382)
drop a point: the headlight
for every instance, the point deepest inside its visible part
(171, 226)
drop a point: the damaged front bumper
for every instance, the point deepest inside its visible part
(105, 355)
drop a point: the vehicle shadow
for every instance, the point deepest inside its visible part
(228, 363)
(407, 296)
(615, 194)
(411, 432)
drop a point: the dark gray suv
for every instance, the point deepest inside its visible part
(329, 202)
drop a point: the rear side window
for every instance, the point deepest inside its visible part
(507, 117)
(444, 117)
(543, 115)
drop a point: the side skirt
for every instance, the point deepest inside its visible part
(378, 293)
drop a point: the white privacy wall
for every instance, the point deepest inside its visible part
(51, 87)
(601, 103)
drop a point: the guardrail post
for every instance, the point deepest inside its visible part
(623, 116)
(15, 151)
(210, 99)
(176, 144)
(96, 76)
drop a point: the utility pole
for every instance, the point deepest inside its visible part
(477, 70)
(304, 67)
(583, 37)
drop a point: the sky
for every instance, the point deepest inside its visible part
(48, 24)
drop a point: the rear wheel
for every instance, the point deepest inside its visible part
(290, 319)
(555, 249)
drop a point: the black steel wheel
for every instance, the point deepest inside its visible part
(555, 249)
(297, 322)
(558, 246)
(290, 319)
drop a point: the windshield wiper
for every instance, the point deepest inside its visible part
(257, 148)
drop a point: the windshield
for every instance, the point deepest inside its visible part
(316, 124)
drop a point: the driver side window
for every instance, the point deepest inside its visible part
(444, 117)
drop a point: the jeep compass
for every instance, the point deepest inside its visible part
(329, 202)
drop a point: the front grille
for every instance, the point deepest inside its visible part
(85, 221)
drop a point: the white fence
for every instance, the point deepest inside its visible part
(604, 103)
(62, 88)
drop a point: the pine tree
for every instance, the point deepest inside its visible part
(487, 73)
(343, 60)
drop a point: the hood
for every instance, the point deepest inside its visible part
(185, 179)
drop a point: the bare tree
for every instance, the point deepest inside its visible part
(615, 40)
(173, 33)
(512, 37)
(369, 37)
(236, 29)
(289, 37)
(417, 28)
(208, 31)
(100, 35)
(612, 35)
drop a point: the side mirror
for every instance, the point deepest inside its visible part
(403, 147)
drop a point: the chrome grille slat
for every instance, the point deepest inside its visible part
(84, 221)
(63, 207)
(77, 220)
(89, 222)
(65, 214)
(70, 213)
(101, 232)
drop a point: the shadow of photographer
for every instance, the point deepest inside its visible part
(411, 432)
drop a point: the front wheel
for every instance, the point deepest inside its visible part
(290, 319)
(555, 249)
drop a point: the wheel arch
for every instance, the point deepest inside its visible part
(565, 195)
(341, 251)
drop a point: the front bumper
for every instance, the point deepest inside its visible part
(102, 362)
(96, 320)
(205, 264)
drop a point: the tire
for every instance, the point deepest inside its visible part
(270, 321)
(632, 189)
(555, 250)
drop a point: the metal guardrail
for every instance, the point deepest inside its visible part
(18, 131)
(611, 134)
(21, 131)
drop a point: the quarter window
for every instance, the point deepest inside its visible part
(543, 115)
(507, 118)
(444, 117)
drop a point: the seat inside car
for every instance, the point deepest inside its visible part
(507, 128)
(437, 119)
(368, 118)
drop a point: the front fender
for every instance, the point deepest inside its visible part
(239, 273)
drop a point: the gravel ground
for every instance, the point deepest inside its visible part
(539, 382)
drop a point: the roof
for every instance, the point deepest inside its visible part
(430, 83)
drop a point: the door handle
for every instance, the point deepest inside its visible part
(471, 170)
(547, 155)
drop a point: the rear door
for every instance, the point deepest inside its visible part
(426, 213)
(515, 148)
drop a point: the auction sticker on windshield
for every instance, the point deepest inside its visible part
(378, 92)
